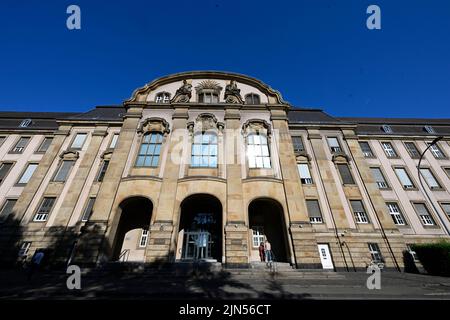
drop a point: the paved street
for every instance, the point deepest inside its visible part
(244, 284)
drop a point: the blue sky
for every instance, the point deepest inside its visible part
(317, 53)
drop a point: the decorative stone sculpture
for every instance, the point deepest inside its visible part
(232, 93)
(183, 93)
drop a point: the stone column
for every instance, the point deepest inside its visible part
(158, 248)
(236, 232)
(302, 237)
(97, 236)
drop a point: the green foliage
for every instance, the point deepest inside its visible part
(435, 257)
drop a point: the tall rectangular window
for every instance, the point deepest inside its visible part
(297, 142)
(43, 147)
(396, 214)
(150, 150)
(2, 139)
(20, 146)
(429, 178)
(79, 140)
(404, 178)
(412, 150)
(257, 235)
(24, 248)
(88, 209)
(102, 172)
(114, 139)
(375, 252)
(345, 173)
(447, 171)
(7, 208)
(424, 214)
(26, 176)
(258, 151)
(446, 207)
(366, 150)
(334, 145)
(4, 170)
(314, 212)
(305, 174)
(204, 150)
(379, 178)
(436, 151)
(389, 150)
(144, 238)
(44, 209)
(63, 171)
(359, 212)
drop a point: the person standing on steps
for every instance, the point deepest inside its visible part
(268, 251)
(262, 255)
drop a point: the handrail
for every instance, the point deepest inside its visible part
(124, 254)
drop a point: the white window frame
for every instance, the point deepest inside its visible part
(260, 159)
(366, 153)
(24, 248)
(258, 236)
(375, 252)
(307, 178)
(22, 176)
(143, 239)
(334, 144)
(114, 139)
(389, 150)
(436, 151)
(78, 142)
(396, 213)
(43, 216)
(426, 219)
(403, 183)
(430, 179)
(381, 184)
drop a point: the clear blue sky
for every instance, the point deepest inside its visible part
(318, 53)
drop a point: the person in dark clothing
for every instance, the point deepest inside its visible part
(35, 263)
(262, 256)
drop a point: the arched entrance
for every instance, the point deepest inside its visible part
(133, 229)
(200, 229)
(266, 221)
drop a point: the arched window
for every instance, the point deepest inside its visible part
(258, 151)
(208, 97)
(162, 97)
(252, 98)
(204, 150)
(150, 150)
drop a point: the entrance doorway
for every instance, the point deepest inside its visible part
(266, 221)
(133, 230)
(200, 230)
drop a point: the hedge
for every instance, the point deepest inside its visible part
(435, 257)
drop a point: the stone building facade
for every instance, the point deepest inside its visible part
(207, 165)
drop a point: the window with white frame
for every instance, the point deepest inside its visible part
(150, 150)
(375, 252)
(389, 150)
(162, 97)
(7, 208)
(78, 141)
(359, 212)
(386, 128)
(204, 150)
(258, 151)
(24, 248)
(88, 209)
(424, 214)
(26, 175)
(366, 149)
(63, 171)
(21, 144)
(314, 212)
(305, 174)
(379, 178)
(429, 178)
(334, 145)
(44, 209)
(404, 178)
(45, 144)
(114, 139)
(144, 238)
(412, 150)
(436, 151)
(396, 214)
(257, 235)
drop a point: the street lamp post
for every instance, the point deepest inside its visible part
(425, 190)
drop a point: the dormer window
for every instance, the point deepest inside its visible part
(386, 128)
(429, 129)
(162, 97)
(252, 98)
(25, 123)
